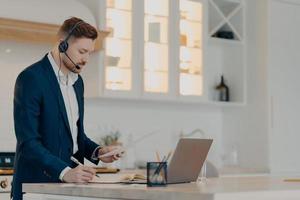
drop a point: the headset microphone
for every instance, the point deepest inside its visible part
(63, 45)
(76, 66)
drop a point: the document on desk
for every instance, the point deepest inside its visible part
(120, 178)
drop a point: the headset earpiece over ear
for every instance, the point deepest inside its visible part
(63, 45)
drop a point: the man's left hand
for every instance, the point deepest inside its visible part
(111, 158)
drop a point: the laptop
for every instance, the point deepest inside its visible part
(188, 160)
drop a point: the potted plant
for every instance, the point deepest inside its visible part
(112, 138)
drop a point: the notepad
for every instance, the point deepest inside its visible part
(134, 178)
(120, 178)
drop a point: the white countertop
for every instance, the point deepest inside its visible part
(215, 188)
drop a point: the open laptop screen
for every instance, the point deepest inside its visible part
(188, 160)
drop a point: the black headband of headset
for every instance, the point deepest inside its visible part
(73, 28)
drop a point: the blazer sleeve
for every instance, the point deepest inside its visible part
(27, 106)
(90, 146)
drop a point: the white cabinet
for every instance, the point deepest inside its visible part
(284, 85)
(156, 46)
(191, 26)
(118, 51)
(158, 49)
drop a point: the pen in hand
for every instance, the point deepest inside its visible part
(79, 163)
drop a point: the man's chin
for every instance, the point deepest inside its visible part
(75, 70)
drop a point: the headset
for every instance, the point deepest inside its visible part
(64, 45)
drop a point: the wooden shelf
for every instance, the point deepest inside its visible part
(193, 103)
(35, 32)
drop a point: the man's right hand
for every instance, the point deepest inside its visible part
(79, 174)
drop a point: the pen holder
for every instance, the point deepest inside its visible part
(156, 174)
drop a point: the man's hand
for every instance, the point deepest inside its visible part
(111, 158)
(80, 174)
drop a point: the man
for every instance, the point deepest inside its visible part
(48, 113)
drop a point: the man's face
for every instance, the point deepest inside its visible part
(79, 51)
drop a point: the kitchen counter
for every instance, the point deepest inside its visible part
(237, 170)
(224, 188)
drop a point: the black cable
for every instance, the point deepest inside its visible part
(59, 69)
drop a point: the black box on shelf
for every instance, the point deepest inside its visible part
(224, 35)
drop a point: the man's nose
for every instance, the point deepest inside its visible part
(84, 60)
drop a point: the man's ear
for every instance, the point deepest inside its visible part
(60, 37)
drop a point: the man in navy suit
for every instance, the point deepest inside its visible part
(48, 113)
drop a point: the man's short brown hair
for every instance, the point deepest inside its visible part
(82, 30)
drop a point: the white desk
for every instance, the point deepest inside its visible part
(225, 188)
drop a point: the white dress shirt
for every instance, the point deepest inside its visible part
(66, 86)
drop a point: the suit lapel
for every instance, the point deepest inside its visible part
(56, 90)
(78, 91)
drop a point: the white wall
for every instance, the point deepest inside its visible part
(21, 55)
(246, 128)
(164, 119)
(53, 12)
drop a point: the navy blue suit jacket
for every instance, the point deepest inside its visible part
(44, 141)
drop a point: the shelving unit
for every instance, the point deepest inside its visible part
(226, 35)
(226, 19)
